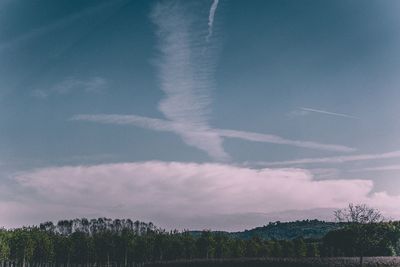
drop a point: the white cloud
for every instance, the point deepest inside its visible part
(159, 191)
(186, 68)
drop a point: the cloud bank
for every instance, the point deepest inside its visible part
(176, 194)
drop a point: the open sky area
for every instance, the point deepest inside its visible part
(221, 114)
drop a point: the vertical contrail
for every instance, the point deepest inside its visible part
(211, 18)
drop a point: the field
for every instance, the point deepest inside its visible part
(283, 262)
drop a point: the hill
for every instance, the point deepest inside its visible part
(307, 229)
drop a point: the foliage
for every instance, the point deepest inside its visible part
(122, 242)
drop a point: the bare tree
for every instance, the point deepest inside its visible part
(359, 214)
(359, 217)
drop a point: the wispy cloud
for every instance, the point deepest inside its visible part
(395, 167)
(71, 84)
(170, 126)
(274, 139)
(186, 68)
(338, 159)
(186, 76)
(307, 110)
(211, 15)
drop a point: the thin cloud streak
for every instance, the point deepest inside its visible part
(339, 159)
(328, 113)
(380, 168)
(213, 9)
(169, 126)
(267, 138)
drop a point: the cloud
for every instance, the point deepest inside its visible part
(186, 68)
(211, 15)
(71, 84)
(305, 111)
(338, 159)
(205, 134)
(274, 139)
(160, 191)
(379, 168)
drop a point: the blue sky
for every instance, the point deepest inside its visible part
(198, 97)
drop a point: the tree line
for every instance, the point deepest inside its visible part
(124, 242)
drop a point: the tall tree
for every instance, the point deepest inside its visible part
(359, 219)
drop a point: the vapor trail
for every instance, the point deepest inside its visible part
(329, 113)
(213, 9)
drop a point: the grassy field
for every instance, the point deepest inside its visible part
(283, 262)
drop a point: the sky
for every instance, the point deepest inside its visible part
(208, 114)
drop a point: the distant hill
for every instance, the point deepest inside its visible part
(307, 229)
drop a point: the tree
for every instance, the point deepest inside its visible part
(4, 247)
(360, 219)
(300, 247)
(312, 250)
(206, 244)
(221, 245)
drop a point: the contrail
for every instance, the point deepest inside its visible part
(338, 159)
(213, 9)
(209, 135)
(329, 113)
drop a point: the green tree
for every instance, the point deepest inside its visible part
(276, 249)
(206, 245)
(43, 248)
(312, 250)
(300, 247)
(237, 248)
(221, 245)
(4, 247)
(21, 245)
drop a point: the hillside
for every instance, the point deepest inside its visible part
(313, 229)
(307, 229)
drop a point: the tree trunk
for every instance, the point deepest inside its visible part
(361, 260)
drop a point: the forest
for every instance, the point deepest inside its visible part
(125, 242)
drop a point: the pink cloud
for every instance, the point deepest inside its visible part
(159, 191)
